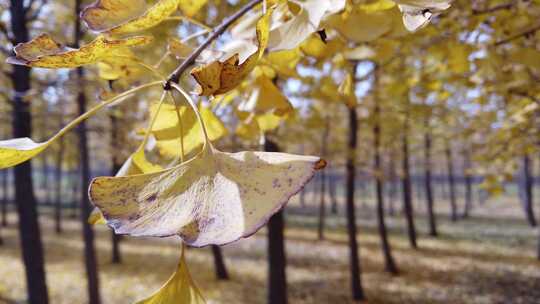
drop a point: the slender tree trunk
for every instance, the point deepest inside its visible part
(221, 270)
(389, 263)
(30, 235)
(87, 231)
(332, 192)
(5, 196)
(75, 191)
(303, 198)
(451, 182)
(427, 179)
(393, 189)
(356, 283)
(528, 183)
(277, 278)
(468, 185)
(322, 202)
(406, 182)
(58, 199)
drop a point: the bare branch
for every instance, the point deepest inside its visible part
(526, 33)
(493, 9)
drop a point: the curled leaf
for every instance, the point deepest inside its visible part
(418, 13)
(220, 77)
(126, 16)
(44, 52)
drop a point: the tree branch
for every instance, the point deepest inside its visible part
(220, 29)
(493, 9)
(519, 35)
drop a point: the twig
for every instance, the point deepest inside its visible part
(220, 29)
(519, 35)
(493, 9)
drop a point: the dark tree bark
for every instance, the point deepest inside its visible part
(406, 184)
(75, 191)
(219, 263)
(468, 184)
(277, 278)
(389, 263)
(332, 192)
(393, 189)
(116, 257)
(356, 283)
(87, 231)
(427, 178)
(5, 196)
(451, 182)
(58, 177)
(322, 202)
(30, 235)
(528, 183)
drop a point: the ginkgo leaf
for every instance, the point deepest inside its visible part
(18, 150)
(126, 16)
(360, 25)
(292, 32)
(191, 7)
(180, 288)
(346, 89)
(167, 130)
(220, 77)
(418, 13)
(266, 97)
(44, 52)
(214, 198)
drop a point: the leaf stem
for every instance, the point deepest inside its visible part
(220, 29)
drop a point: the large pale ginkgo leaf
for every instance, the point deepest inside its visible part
(44, 52)
(220, 77)
(180, 288)
(126, 16)
(214, 198)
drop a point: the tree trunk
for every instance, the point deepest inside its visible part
(406, 184)
(277, 278)
(389, 263)
(356, 283)
(451, 182)
(221, 270)
(30, 235)
(528, 183)
(322, 202)
(87, 231)
(427, 179)
(468, 185)
(58, 199)
(393, 189)
(332, 192)
(5, 196)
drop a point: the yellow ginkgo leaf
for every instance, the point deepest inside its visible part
(96, 218)
(266, 97)
(220, 77)
(44, 52)
(126, 16)
(180, 288)
(362, 26)
(167, 130)
(214, 198)
(191, 7)
(18, 150)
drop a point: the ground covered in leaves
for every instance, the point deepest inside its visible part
(487, 258)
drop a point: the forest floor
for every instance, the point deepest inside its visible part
(487, 258)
